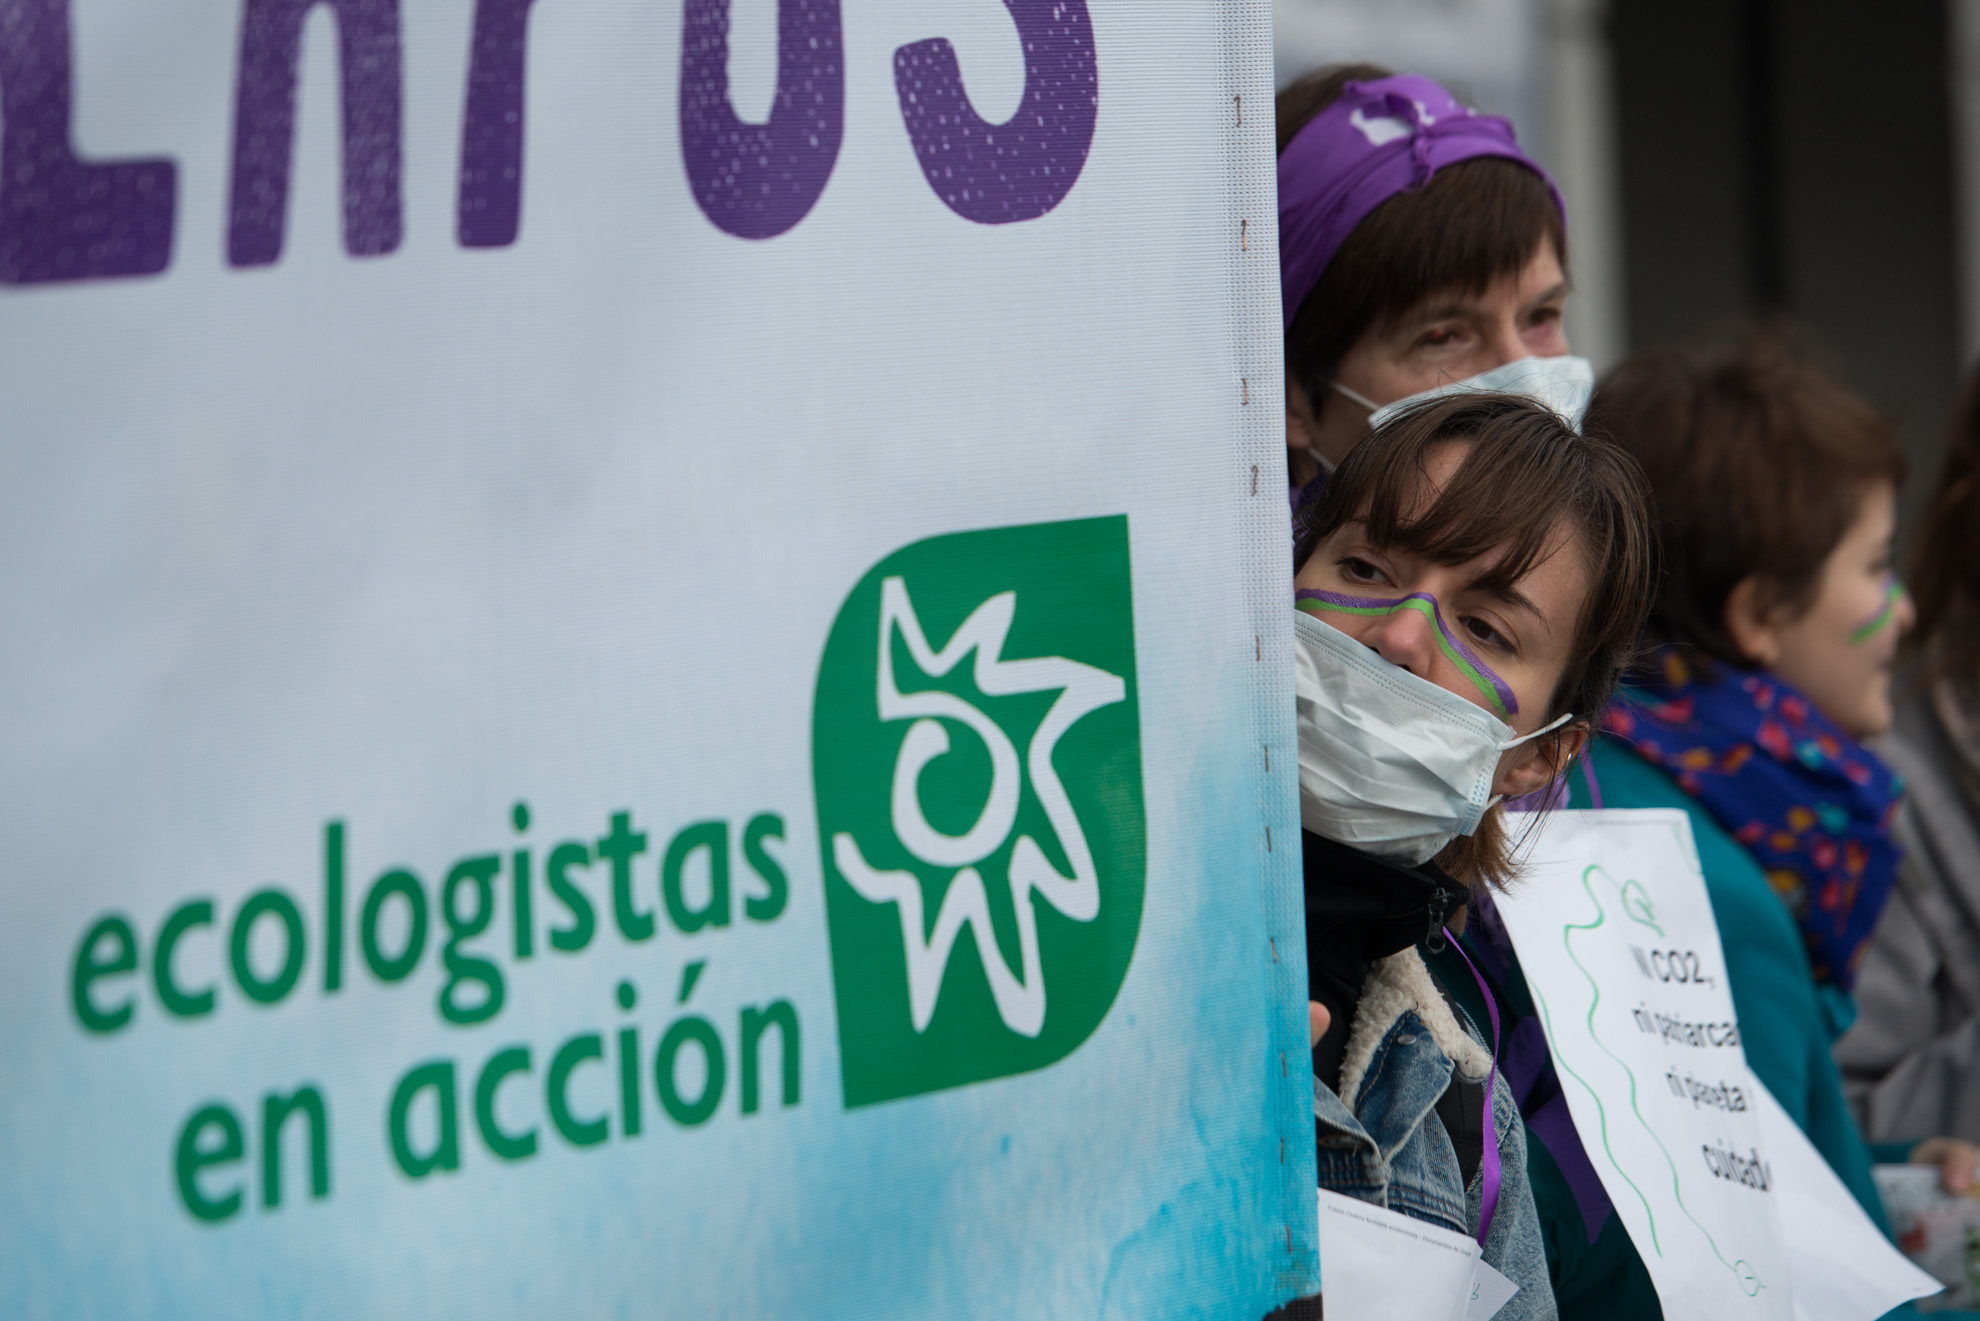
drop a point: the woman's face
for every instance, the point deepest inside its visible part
(1524, 635)
(1839, 649)
(1447, 337)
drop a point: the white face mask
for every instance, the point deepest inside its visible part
(1389, 763)
(1563, 383)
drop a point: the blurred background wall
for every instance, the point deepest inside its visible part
(1730, 160)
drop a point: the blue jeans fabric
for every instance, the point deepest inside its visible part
(1391, 1149)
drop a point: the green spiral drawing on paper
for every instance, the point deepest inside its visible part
(1636, 902)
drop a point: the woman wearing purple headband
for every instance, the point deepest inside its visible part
(1419, 248)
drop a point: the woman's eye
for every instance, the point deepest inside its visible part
(1441, 338)
(1360, 570)
(1486, 634)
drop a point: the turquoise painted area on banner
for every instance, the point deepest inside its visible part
(666, 697)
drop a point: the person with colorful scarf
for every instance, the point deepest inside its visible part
(1766, 661)
(1769, 661)
(1912, 1062)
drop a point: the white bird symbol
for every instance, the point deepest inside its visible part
(1019, 996)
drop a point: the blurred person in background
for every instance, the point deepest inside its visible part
(1912, 1061)
(1769, 661)
(1418, 246)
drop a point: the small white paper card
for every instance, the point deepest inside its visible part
(1842, 1266)
(1378, 1264)
(1489, 1292)
(1616, 936)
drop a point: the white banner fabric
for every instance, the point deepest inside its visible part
(644, 662)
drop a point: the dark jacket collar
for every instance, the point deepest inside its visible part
(1360, 908)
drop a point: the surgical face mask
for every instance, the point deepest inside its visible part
(1563, 383)
(1389, 763)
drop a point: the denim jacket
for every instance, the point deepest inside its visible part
(1391, 1148)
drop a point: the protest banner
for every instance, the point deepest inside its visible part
(1619, 946)
(644, 668)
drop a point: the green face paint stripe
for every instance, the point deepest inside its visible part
(1870, 628)
(1422, 607)
(1458, 658)
(1315, 607)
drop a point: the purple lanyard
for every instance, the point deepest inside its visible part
(1488, 1160)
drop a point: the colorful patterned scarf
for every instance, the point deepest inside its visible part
(1812, 805)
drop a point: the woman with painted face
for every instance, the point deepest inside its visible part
(1418, 247)
(1470, 580)
(1912, 1062)
(1772, 642)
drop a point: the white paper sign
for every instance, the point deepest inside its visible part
(1379, 1263)
(1616, 936)
(1843, 1268)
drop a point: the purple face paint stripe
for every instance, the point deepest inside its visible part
(1489, 684)
(1353, 602)
(1475, 669)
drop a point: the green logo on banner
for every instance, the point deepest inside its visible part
(976, 751)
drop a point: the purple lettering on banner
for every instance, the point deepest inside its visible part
(265, 126)
(62, 218)
(490, 207)
(995, 174)
(757, 180)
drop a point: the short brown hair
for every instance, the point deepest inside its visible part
(1475, 222)
(1757, 464)
(1945, 562)
(1526, 475)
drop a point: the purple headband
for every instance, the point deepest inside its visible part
(1381, 138)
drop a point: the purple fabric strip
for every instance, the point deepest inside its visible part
(1488, 1161)
(1529, 1070)
(1530, 1074)
(1588, 778)
(1381, 138)
(1554, 1126)
(1489, 933)
(1549, 797)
